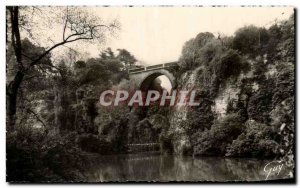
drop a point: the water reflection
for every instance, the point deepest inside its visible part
(155, 167)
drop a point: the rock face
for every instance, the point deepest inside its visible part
(184, 119)
(178, 118)
(228, 93)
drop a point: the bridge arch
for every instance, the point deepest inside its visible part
(142, 77)
(148, 79)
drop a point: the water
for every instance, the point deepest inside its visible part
(155, 167)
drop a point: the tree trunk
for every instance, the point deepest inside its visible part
(11, 100)
(11, 112)
(13, 87)
(57, 108)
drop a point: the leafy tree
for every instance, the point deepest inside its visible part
(250, 39)
(108, 53)
(190, 50)
(77, 25)
(35, 84)
(126, 58)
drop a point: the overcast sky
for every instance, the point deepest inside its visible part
(156, 34)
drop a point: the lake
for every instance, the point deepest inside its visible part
(159, 168)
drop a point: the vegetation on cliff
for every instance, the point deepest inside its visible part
(251, 76)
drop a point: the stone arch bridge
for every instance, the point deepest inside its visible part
(142, 77)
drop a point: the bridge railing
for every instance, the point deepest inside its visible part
(135, 70)
(152, 67)
(171, 64)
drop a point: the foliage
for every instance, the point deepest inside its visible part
(77, 90)
(260, 104)
(126, 58)
(56, 105)
(214, 62)
(259, 61)
(250, 39)
(200, 118)
(190, 50)
(257, 140)
(215, 140)
(283, 120)
(114, 133)
(39, 157)
(95, 144)
(77, 25)
(284, 85)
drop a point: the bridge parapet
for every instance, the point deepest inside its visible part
(152, 67)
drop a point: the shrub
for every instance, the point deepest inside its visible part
(214, 141)
(92, 143)
(33, 156)
(250, 39)
(258, 140)
(260, 103)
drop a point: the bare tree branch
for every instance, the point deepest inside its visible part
(78, 25)
(36, 116)
(66, 22)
